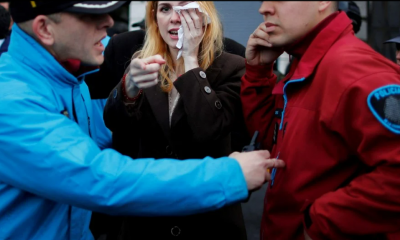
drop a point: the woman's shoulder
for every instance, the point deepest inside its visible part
(228, 60)
(127, 43)
(132, 37)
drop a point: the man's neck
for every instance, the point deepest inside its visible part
(298, 48)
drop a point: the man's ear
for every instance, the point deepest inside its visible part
(43, 28)
(324, 5)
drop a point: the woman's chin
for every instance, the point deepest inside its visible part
(172, 45)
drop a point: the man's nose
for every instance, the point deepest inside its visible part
(267, 7)
(106, 21)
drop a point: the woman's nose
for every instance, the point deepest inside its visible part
(175, 17)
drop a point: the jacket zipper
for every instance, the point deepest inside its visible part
(87, 114)
(271, 183)
(285, 98)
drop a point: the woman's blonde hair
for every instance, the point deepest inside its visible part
(210, 47)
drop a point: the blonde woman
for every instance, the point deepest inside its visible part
(181, 108)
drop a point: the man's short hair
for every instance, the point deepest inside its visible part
(5, 20)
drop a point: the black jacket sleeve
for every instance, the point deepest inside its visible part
(117, 116)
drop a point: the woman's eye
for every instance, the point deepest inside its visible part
(164, 9)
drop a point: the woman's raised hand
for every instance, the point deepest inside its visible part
(143, 73)
(192, 23)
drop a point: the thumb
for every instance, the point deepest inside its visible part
(274, 163)
(263, 153)
(159, 59)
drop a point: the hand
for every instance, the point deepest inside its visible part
(259, 50)
(254, 166)
(306, 237)
(143, 73)
(192, 24)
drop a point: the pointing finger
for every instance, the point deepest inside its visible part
(154, 59)
(152, 67)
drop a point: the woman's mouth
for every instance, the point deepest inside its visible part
(173, 34)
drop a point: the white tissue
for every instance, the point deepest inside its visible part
(179, 44)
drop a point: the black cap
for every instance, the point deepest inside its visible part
(22, 11)
(394, 40)
(353, 12)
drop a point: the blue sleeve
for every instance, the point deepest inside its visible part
(47, 154)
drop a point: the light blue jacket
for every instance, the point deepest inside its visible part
(53, 174)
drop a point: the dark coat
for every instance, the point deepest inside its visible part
(202, 120)
(201, 125)
(117, 58)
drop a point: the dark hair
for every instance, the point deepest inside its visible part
(397, 46)
(5, 20)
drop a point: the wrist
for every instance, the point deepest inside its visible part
(130, 88)
(130, 92)
(258, 63)
(252, 62)
(259, 72)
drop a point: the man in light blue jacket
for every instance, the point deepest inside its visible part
(53, 172)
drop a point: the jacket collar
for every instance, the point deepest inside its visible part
(312, 48)
(26, 49)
